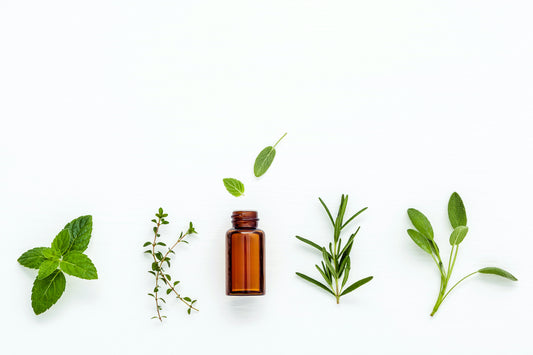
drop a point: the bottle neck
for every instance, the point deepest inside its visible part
(244, 219)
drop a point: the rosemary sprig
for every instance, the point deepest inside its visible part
(336, 265)
(158, 265)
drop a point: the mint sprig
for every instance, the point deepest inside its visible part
(64, 256)
(423, 236)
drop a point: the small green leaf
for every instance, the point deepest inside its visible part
(176, 282)
(169, 291)
(497, 271)
(420, 240)
(80, 230)
(265, 159)
(50, 253)
(147, 244)
(79, 265)
(47, 291)
(458, 234)
(234, 186)
(313, 281)
(456, 211)
(47, 268)
(420, 222)
(356, 285)
(32, 258)
(62, 241)
(314, 245)
(187, 299)
(189, 311)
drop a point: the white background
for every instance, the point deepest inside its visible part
(114, 108)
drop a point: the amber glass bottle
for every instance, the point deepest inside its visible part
(245, 256)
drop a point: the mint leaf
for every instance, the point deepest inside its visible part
(46, 292)
(80, 230)
(265, 159)
(420, 222)
(32, 258)
(47, 268)
(50, 253)
(497, 271)
(62, 241)
(456, 211)
(234, 186)
(79, 265)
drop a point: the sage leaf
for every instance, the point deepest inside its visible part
(458, 235)
(32, 258)
(80, 233)
(47, 291)
(265, 159)
(47, 268)
(79, 265)
(356, 285)
(456, 211)
(497, 271)
(313, 281)
(420, 240)
(234, 186)
(62, 241)
(420, 222)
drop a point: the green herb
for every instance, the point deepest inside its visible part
(234, 186)
(265, 159)
(336, 265)
(423, 237)
(64, 256)
(161, 258)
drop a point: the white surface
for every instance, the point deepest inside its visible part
(115, 108)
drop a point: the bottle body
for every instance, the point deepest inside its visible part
(245, 256)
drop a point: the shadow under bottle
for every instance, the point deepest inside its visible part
(245, 256)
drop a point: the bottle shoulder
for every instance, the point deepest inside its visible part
(245, 231)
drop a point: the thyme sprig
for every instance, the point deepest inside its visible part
(336, 264)
(160, 258)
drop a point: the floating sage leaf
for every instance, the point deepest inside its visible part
(265, 159)
(234, 186)
(497, 271)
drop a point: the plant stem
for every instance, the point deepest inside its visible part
(279, 140)
(165, 278)
(156, 232)
(458, 282)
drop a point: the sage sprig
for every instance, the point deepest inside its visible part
(65, 256)
(423, 236)
(336, 265)
(160, 254)
(265, 159)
